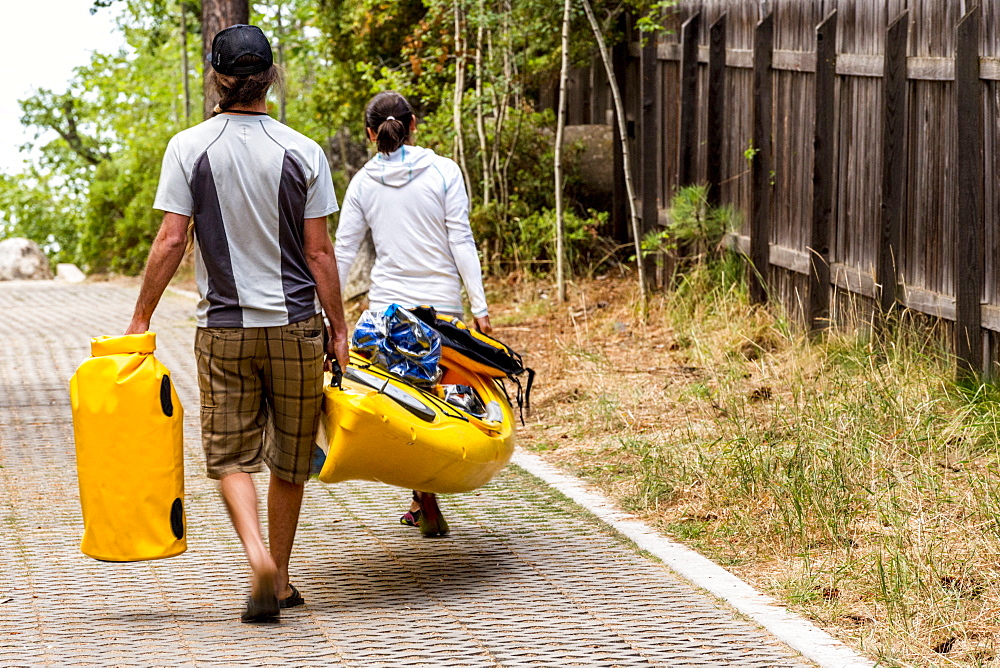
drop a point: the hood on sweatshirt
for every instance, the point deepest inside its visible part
(401, 166)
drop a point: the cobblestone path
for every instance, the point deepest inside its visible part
(525, 580)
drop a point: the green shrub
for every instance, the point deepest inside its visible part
(528, 242)
(695, 231)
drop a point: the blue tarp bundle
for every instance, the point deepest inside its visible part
(397, 341)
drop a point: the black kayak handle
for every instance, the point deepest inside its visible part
(337, 378)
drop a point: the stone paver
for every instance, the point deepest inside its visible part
(523, 581)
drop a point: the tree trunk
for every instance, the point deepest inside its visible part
(560, 128)
(500, 93)
(456, 108)
(282, 116)
(623, 133)
(215, 16)
(184, 65)
(480, 126)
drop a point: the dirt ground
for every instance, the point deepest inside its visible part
(611, 392)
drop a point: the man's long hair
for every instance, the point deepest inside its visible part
(244, 91)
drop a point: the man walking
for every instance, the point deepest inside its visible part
(259, 194)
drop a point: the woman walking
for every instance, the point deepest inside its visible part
(414, 203)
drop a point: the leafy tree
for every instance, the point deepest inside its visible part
(32, 206)
(363, 45)
(100, 143)
(472, 69)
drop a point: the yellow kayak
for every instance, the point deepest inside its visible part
(383, 429)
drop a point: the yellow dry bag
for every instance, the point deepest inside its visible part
(127, 422)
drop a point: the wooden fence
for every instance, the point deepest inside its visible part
(874, 131)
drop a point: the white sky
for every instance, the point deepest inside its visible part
(47, 39)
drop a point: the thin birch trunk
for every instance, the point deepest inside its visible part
(480, 124)
(560, 127)
(505, 108)
(282, 95)
(519, 107)
(501, 106)
(505, 170)
(459, 96)
(622, 131)
(184, 66)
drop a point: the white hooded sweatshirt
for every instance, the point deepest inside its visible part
(415, 204)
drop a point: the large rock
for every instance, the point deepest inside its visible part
(22, 259)
(69, 273)
(591, 149)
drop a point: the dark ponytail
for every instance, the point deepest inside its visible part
(389, 116)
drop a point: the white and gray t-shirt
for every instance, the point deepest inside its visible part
(249, 182)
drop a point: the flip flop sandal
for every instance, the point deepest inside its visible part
(263, 609)
(293, 601)
(411, 518)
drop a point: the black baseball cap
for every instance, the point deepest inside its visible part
(235, 42)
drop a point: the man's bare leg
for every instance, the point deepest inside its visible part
(284, 500)
(240, 496)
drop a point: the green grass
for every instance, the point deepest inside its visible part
(851, 473)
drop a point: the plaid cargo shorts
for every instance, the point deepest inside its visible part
(261, 397)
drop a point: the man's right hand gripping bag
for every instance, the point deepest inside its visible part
(127, 422)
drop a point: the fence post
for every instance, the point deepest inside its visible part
(761, 176)
(968, 260)
(688, 149)
(823, 180)
(581, 82)
(649, 152)
(598, 94)
(716, 108)
(894, 110)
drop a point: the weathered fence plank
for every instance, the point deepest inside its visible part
(824, 179)
(688, 142)
(967, 262)
(649, 147)
(761, 160)
(894, 109)
(716, 108)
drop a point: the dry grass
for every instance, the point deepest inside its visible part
(849, 477)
